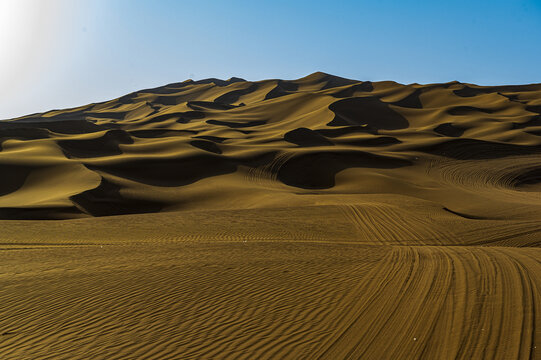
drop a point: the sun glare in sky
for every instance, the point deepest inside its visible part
(24, 28)
(65, 53)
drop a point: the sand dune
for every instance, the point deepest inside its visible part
(314, 218)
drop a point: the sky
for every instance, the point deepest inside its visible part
(64, 53)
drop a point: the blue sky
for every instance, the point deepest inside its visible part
(63, 53)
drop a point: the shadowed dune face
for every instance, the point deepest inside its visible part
(67, 126)
(157, 133)
(369, 111)
(168, 172)
(466, 110)
(206, 145)
(23, 134)
(180, 117)
(411, 101)
(282, 88)
(13, 177)
(106, 200)
(305, 137)
(448, 129)
(105, 145)
(234, 95)
(166, 148)
(349, 91)
(317, 170)
(236, 125)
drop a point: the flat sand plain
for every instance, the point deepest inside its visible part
(318, 218)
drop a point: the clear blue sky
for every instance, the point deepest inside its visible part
(63, 53)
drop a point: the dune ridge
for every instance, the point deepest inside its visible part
(317, 218)
(217, 130)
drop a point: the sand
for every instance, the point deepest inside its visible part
(318, 218)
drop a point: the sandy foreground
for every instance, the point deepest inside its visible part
(318, 218)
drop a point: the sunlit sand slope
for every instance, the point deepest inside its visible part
(234, 144)
(318, 218)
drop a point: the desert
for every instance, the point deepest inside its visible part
(316, 218)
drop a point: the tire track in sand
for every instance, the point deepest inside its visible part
(445, 303)
(383, 224)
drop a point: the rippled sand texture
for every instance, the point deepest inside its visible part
(319, 218)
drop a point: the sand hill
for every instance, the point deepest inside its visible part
(314, 218)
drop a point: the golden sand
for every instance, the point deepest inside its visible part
(319, 218)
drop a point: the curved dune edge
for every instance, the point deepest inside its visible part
(317, 218)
